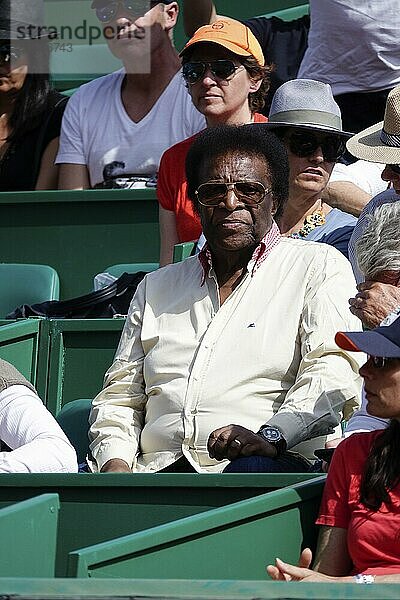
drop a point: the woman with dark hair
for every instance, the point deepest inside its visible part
(227, 78)
(30, 112)
(360, 506)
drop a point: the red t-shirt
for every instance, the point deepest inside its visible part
(373, 537)
(171, 187)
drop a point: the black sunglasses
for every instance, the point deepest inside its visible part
(9, 53)
(395, 169)
(380, 362)
(107, 12)
(305, 143)
(221, 69)
(250, 193)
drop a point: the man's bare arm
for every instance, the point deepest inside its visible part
(197, 13)
(346, 196)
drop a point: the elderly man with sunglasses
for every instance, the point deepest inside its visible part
(230, 354)
(119, 125)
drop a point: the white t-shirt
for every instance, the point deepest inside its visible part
(353, 45)
(96, 130)
(366, 175)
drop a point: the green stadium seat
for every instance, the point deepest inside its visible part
(117, 270)
(26, 284)
(73, 420)
(183, 250)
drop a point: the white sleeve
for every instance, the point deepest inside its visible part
(365, 175)
(37, 442)
(71, 148)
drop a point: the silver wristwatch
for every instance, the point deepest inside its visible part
(274, 436)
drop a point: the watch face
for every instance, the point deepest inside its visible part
(271, 434)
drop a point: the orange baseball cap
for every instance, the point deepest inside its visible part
(230, 34)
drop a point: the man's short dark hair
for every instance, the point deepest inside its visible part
(253, 140)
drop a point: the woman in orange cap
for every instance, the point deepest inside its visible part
(225, 72)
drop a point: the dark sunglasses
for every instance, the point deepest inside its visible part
(108, 12)
(250, 193)
(305, 143)
(221, 69)
(395, 169)
(9, 53)
(380, 362)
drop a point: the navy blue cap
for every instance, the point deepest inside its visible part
(381, 341)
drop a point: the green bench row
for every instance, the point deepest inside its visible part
(151, 526)
(183, 536)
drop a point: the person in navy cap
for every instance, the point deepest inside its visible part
(360, 507)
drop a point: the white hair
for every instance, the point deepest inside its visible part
(378, 249)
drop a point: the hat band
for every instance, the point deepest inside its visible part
(390, 139)
(317, 118)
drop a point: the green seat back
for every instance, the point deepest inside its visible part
(26, 284)
(73, 420)
(28, 534)
(183, 250)
(117, 270)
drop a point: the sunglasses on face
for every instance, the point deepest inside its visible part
(108, 12)
(304, 143)
(221, 69)
(380, 362)
(9, 53)
(212, 193)
(395, 169)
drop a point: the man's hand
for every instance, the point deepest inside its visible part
(116, 465)
(374, 302)
(233, 441)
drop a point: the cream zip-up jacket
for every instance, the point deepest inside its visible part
(186, 365)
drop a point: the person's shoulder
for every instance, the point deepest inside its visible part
(358, 443)
(180, 149)
(173, 275)
(100, 85)
(316, 258)
(339, 218)
(382, 198)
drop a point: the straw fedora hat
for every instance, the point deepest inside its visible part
(21, 19)
(307, 104)
(380, 143)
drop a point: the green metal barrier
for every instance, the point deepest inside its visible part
(79, 232)
(99, 507)
(290, 14)
(128, 589)
(79, 353)
(19, 345)
(28, 532)
(233, 542)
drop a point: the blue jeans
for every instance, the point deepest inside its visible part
(287, 462)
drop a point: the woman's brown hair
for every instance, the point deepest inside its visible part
(382, 469)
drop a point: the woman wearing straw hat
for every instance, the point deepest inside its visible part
(30, 112)
(224, 69)
(306, 117)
